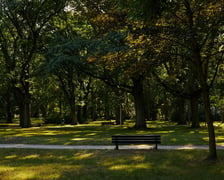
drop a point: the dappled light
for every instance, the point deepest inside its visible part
(32, 156)
(220, 140)
(139, 163)
(86, 134)
(130, 168)
(80, 78)
(13, 156)
(84, 156)
(96, 164)
(174, 139)
(80, 139)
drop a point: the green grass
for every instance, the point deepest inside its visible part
(19, 164)
(23, 164)
(95, 134)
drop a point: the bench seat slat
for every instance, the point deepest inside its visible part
(131, 140)
(136, 139)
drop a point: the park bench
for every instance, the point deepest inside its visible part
(107, 123)
(136, 139)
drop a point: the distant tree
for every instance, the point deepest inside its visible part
(202, 36)
(63, 60)
(25, 22)
(198, 29)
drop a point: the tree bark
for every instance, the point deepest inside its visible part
(181, 111)
(73, 113)
(202, 69)
(119, 114)
(25, 103)
(202, 75)
(194, 112)
(25, 118)
(9, 114)
(139, 102)
(178, 114)
(208, 116)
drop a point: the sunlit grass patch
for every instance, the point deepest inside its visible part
(95, 134)
(108, 164)
(46, 171)
(130, 168)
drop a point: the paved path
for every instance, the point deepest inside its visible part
(105, 147)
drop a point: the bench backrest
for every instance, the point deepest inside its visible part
(136, 139)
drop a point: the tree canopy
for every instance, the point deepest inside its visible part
(78, 61)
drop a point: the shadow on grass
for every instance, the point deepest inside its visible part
(108, 164)
(92, 134)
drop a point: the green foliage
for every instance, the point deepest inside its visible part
(137, 39)
(144, 9)
(110, 42)
(65, 51)
(57, 118)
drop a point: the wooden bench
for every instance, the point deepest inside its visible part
(107, 123)
(136, 139)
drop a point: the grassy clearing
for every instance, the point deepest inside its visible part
(95, 134)
(108, 165)
(23, 164)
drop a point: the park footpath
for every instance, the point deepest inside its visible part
(106, 147)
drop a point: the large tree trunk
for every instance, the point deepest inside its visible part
(181, 111)
(139, 102)
(208, 117)
(149, 102)
(25, 120)
(73, 113)
(202, 75)
(9, 114)
(178, 114)
(81, 114)
(84, 113)
(194, 112)
(24, 107)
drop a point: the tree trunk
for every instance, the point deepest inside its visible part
(93, 106)
(84, 113)
(9, 114)
(73, 114)
(139, 102)
(25, 120)
(202, 75)
(211, 131)
(119, 114)
(182, 112)
(106, 111)
(25, 105)
(178, 114)
(194, 112)
(81, 115)
(149, 102)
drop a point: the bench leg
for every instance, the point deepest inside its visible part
(156, 147)
(116, 148)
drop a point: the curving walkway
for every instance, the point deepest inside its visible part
(105, 147)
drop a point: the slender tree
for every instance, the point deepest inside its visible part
(199, 24)
(28, 22)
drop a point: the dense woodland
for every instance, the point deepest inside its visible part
(80, 61)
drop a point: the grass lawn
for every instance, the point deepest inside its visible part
(19, 164)
(95, 134)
